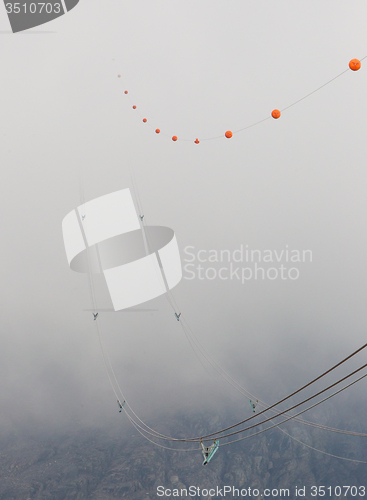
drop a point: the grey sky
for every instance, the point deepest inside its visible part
(194, 69)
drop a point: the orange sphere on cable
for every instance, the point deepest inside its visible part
(228, 134)
(119, 76)
(276, 113)
(134, 107)
(196, 141)
(355, 64)
(126, 92)
(145, 120)
(174, 138)
(157, 131)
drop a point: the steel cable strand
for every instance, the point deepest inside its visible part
(84, 229)
(302, 421)
(268, 117)
(248, 394)
(245, 393)
(150, 244)
(140, 209)
(320, 451)
(320, 426)
(160, 445)
(216, 436)
(299, 413)
(239, 388)
(150, 433)
(105, 357)
(104, 351)
(281, 413)
(162, 436)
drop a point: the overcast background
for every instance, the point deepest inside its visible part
(194, 69)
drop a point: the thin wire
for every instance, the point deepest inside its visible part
(241, 129)
(160, 436)
(299, 390)
(276, 404)
(171, 300)
(246, 393)
(268, 117)
(92, 293)
(243, 391)
(316, 90)
(104, 352)
(320, 426)
(320, 451)
(131, 420)
(303, 411)
(216, 436)
(160, 445)
(240, 388)
(182, 325)
(169, 294)
(142, 430)
(281, 413)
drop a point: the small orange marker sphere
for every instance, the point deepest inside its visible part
(174, 138)
(157, 131)
(119, 76)
(134, 107)
(228, 134)
(125, 91)
(145, 120)
(196, 141)
(355, 64)
(275, 113)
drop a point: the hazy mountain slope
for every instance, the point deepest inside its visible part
(106, 464)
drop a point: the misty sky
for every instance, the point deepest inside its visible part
(194, 69)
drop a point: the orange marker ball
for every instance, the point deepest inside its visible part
(355, 64)
(157, 131)
(174, 138)
(119, 76)
(134, 107)
(196, 141)
(276, 113)
(228, 134)
(145, 120)
(126, 92)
